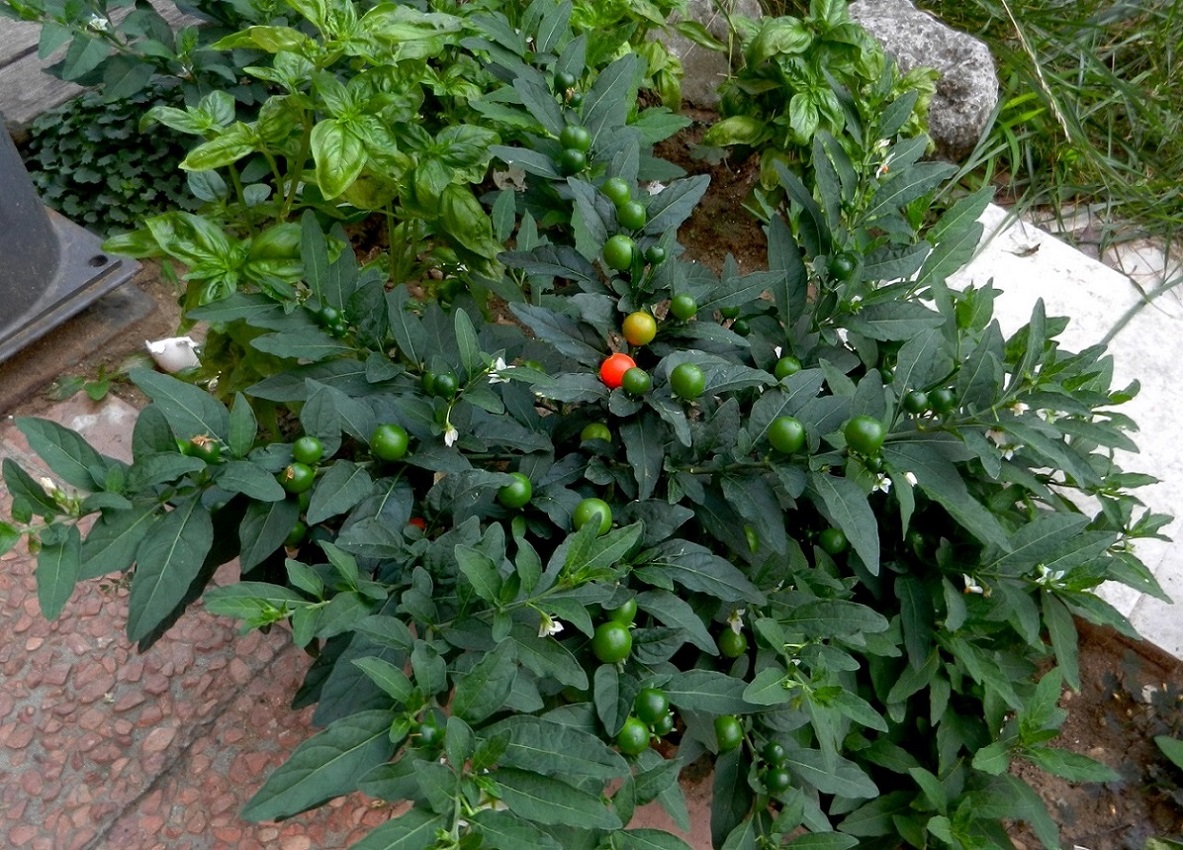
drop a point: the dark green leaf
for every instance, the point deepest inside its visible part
(993, 759)
(784, 259)
(833, 617)
(956, 237)
(481, 572)
(242, 428)
(548, 800)
(409, 334)
(415, 829)
(1071, 766)
(252, 600)
(326, 765)
(731, 802)
(894, 320)
(848, 508)
(674, 204)
(707, 691)
(168, 559)
(916, 617)
(386, 676)
(112, 542)
(342, 487)
(161, 468)
(190, 411)
(910, 184)
(645, 448)
(540, 103)
(606, 104)
(65, 452)
(675, 612)
(921, 360)
(483, 690)
(22, 487)
(696, 568)
(942, 482)
(876, 818)
(265, 526)
(610, 708)
(58, 567)
(9, 537)
(308, 345)
(555, 749)
(242, 476)
(1172, 748)
(506, 831)
(768, 687)
(823, 841)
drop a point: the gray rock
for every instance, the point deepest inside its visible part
(703, 69)
(967, 90)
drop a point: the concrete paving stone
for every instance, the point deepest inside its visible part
(1028, 263)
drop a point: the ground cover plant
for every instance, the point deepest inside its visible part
(89, 161)
(555, 522)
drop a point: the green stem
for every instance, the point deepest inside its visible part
(237, 182)
(390, 244)
(301, 159)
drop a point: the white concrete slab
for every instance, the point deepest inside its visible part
(1027, 264)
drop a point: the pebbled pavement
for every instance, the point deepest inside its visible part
(102, 747)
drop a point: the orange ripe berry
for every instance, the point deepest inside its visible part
(612, 370)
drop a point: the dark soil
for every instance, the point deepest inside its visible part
(720, 226)
(1130, 692)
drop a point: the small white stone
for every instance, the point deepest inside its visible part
(174, 353)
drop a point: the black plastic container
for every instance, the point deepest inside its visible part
(50, 268)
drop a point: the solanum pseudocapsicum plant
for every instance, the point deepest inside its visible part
(496, 664)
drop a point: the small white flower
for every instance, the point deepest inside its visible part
(777, 350)
(882, 484)
(998, 438)
(549, 626)
(1049, 578)
(98, 24)
(1019, 408)
(882, 144)
(1048, 416)
(735, 620)
(49, 485)
(842, 334)
(495, 371)
(972, 586)
(451, 435)
(910, 478)
(655, 188)
(856, 300)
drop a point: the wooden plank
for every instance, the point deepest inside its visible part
(17, 40)
(25, 89)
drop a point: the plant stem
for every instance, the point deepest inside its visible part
(301, 159)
